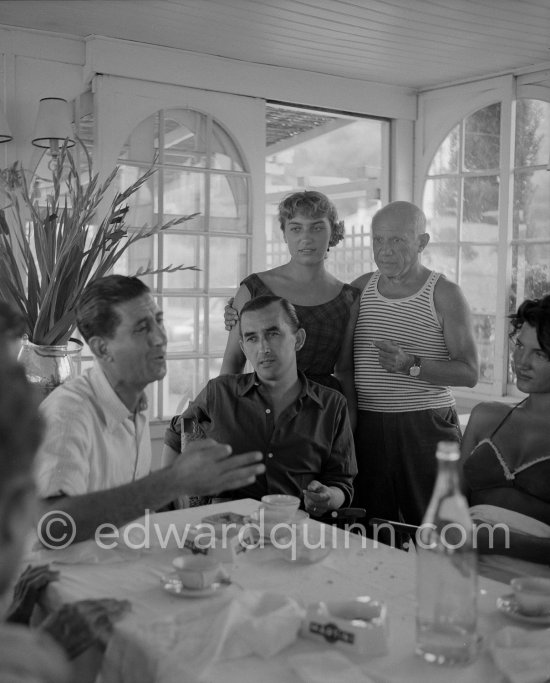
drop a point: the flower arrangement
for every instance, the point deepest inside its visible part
(44, 270)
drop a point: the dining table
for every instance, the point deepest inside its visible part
(131, 563)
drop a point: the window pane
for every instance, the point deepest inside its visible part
(217, 338)
(185, 184)
(185, 138)
(143, 204)
(184, 379)
(440, 206)
(182, 323)
(441, 257)
(480, 209)
(184, 194)
(139, 256)
(531, 205)
(228, 262)
(215, 367)
(532, 133)
(228, 203)
(142, 145)
(530, 273)
(225, 155)
(446, 157)
(351, 257)
(484, 333)
(187, 250)
(478, 277)
(482, 139)
(478, 280)
(276, 248)
(341, 156)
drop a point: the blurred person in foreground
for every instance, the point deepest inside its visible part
(506, 455)
(38, 655)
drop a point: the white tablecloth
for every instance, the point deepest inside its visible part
(359, 569)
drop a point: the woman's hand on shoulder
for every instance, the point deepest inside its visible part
(230, 314)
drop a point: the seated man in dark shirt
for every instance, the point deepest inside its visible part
(301, 427)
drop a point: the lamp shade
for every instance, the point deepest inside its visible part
(5, 133)
(53, 123)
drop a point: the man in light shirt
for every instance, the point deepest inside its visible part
(94, 464)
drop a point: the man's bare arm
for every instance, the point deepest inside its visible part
(454, 313)
(462, 368)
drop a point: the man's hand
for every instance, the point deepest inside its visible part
(318, 499)
(78, 625)
(392, 357)
(27, 592)
(207, 468)
(230, 315)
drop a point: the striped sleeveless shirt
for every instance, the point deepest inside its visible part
(412, 322)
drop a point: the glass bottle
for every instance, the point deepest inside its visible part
(446, 572)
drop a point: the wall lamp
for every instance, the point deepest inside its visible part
(52, 128)
(5, 132)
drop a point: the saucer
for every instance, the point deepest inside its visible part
(172, 584)
(508, 605)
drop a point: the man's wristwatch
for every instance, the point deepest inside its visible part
(414, 370)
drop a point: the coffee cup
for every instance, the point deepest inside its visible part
(197, 571)
(278, 507)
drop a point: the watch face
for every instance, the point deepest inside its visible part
(414, 371)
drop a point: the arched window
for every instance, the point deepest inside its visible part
(199, 170)
(487, 199)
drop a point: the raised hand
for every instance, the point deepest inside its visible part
(207, 467)
(392, 357)
(27, 592)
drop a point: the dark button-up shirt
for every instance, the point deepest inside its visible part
(311, 439)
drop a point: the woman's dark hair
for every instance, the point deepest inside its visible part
(315, 205)
(534, 312)
(95, 313)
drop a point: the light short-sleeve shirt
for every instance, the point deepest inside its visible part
(92, 441)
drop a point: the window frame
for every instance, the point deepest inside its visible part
(507, 94)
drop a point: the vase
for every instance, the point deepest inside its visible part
(47, 367)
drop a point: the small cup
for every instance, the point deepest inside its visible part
(279, 507)
(532, 594)
(198, 572)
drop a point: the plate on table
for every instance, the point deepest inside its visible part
(508, 605)
(172, 584)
